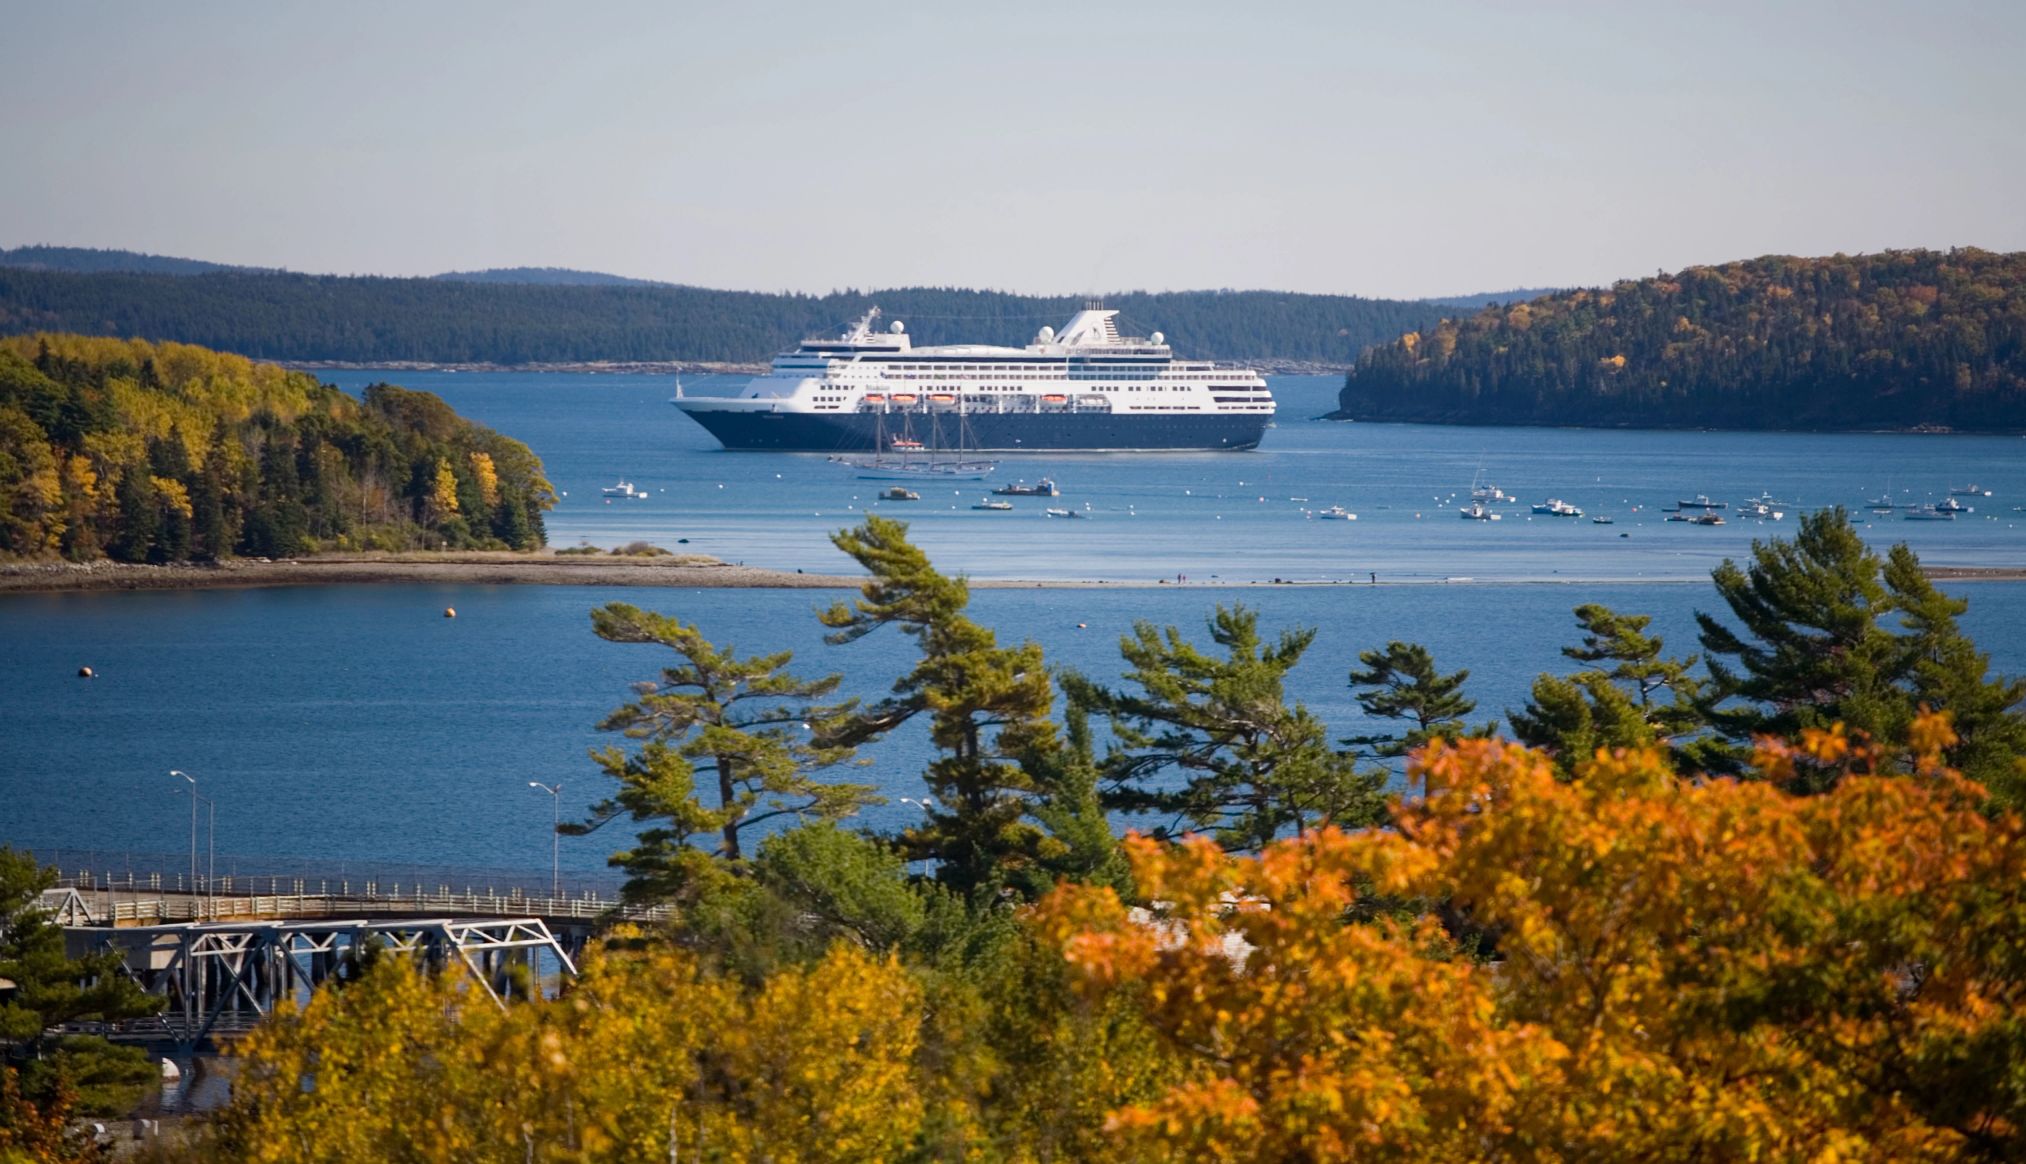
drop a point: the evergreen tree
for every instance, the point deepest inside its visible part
(510, 524)
(1813, 649)
(47, 989)
(279, 527)
(212, 535)
(1081, 846)
(1946, 672)
(987, 707)
(1404, 684)
(140, 517)
(1616, 702)
(745, 726)
(1832, 635)
(1249, 768)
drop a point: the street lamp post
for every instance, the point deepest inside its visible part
(555, 836)
(193, 825)
(211, 866)
(211, 840)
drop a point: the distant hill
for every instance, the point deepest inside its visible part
(1904, 339)
(93, 259)
(1473, 302)
(281, 316)
(547, 277)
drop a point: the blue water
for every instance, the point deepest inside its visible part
(356, 726)
(1230, 515)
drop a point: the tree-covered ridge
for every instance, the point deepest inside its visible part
(548, 276)
(168, 452)
(87, 259)
(1901, 339)
(279, 316)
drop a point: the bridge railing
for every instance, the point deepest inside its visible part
(137, 901)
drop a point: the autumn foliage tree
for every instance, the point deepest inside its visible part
(648, 1056)
(1684, 969)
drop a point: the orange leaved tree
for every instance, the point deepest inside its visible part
(1679, 969)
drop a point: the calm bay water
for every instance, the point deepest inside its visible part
(1230, 515)
(357, 725)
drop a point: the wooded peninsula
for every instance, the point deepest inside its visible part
(1908, 340)
(167, 452)
(313, 318)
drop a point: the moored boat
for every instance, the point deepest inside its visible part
(1478, 511)
(1042, 488)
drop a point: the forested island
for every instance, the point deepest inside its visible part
(1908, 340)
(168, 452)
(369, 320)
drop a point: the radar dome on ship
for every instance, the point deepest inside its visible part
(1047, 333)
(1158, 338)
(896, 327)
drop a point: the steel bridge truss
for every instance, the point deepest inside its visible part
(222, 978)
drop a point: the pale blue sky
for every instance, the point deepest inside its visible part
(1398, 149)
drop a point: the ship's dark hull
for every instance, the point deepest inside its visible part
(802, 432)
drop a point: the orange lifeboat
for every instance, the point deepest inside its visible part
(904, 398)
(875, 398)
(1053, 398)
(942, 398)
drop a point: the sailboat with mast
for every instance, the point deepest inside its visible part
(905, 457)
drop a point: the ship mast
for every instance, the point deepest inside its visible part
(862, 330)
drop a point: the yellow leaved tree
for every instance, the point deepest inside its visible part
(644, 1057)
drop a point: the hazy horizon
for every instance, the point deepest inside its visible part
(1390, 151)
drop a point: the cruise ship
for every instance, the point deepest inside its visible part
(1085, 388)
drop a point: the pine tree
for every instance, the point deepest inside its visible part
(1813, 650)
(140, 517)
(48, 988)
(510, 524)
(1248, 768)
(987, 706)
(1405, 685)
(1946, 672)
(1616, 702)
(213, 537)
(745, 726)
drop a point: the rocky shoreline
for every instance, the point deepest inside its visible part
(491, 568)
(548, 568)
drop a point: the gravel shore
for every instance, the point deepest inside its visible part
(460, 568)
(551, 569)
